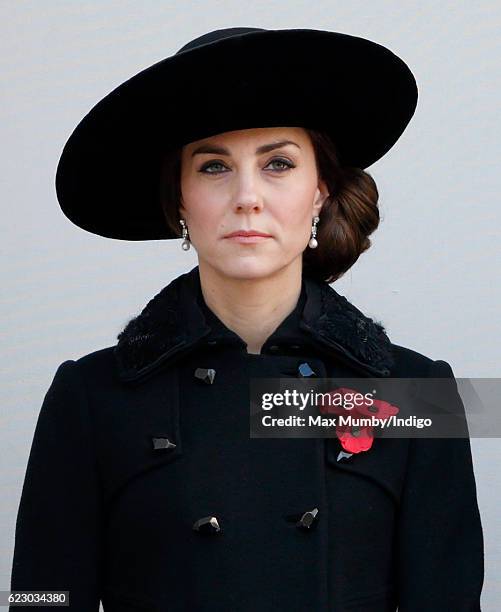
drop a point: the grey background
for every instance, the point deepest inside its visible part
(431, 276)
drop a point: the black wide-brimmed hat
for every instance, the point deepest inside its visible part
(356, 90)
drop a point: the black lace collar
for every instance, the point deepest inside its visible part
(174, 321)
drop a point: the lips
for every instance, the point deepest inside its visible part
(247, 233)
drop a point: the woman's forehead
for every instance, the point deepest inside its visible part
(258, 135)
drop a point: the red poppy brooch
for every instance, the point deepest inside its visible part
(355, 438)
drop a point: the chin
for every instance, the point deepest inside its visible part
(247, 268)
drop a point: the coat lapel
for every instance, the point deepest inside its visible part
(172, 324)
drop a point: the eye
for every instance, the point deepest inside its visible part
(210, 165)
(286, 162)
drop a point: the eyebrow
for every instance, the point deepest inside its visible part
(208, 148)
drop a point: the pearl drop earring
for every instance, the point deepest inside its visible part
(185, 245)
(313, 243)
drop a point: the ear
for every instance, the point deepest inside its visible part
(322, 193)
(181, 209)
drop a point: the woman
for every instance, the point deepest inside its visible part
(144, 488)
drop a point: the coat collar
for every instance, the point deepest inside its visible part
(172, 323)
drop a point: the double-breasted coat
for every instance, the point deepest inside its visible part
(145, 490)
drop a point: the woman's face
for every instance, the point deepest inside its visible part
(251, 180)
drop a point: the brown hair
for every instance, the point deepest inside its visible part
(348, 216)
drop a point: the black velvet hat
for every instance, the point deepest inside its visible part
(359, 92)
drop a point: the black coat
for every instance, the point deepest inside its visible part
(137, 442)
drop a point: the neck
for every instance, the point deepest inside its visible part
(252, 308)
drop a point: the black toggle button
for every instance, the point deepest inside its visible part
(207, 524)
(308, 520)
(343, 455)
(207, 375)
(163, 444)
(304, 520)
(305, 370)
(274, 348)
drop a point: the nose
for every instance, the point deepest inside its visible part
(248, 205)
(247, 197)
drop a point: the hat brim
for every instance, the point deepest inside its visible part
(359, 92)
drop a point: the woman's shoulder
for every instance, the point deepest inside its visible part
(97, 366)
(411, 363)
